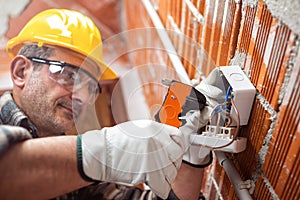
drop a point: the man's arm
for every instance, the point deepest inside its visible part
(43, 168)
(40, 168)
(188, 183)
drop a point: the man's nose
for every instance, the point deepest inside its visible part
(81, 95)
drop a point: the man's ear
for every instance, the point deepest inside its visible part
(20, 70)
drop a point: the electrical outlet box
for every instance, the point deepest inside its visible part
(215, 136)
(243, 91)
(237, 146)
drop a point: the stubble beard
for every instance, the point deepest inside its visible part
(42, 112)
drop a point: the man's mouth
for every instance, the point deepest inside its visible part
(73, 110)
(68, 108)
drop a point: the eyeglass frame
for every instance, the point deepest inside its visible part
(62, 64)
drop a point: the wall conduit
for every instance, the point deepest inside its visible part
(233, 175)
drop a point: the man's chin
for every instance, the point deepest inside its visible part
(67, 122)
(68, 127)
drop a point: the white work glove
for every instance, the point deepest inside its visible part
(194, 155)
(214, 91)
(213, 88)
(141, 151)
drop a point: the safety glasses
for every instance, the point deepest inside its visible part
(71, 77)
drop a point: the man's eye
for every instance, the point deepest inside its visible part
(93, 89)
(70, 75)
(75, 76)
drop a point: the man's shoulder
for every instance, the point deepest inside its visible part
(7, 104)
(10, 135)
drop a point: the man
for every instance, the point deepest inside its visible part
(57, 62)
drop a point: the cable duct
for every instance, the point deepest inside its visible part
(233, 175)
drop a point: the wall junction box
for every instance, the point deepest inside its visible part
(243, 91)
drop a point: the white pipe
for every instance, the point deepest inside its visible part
(233, 175)
(168, 45)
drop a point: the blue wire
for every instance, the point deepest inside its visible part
(227, 98)
(227, 93)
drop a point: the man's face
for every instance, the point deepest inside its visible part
(49, 105)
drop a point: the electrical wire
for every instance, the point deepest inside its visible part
(225, 109)
(237, 128)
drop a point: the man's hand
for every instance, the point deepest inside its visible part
(195, 155)
(213, 88)
(141, 151)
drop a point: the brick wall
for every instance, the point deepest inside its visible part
(265, 45)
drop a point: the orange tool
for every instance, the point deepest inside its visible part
(179, 99)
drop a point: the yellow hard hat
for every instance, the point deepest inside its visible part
(65, 28)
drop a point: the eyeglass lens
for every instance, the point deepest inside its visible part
(73, 79)
(70, 77)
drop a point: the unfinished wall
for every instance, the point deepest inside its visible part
(261, 37)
